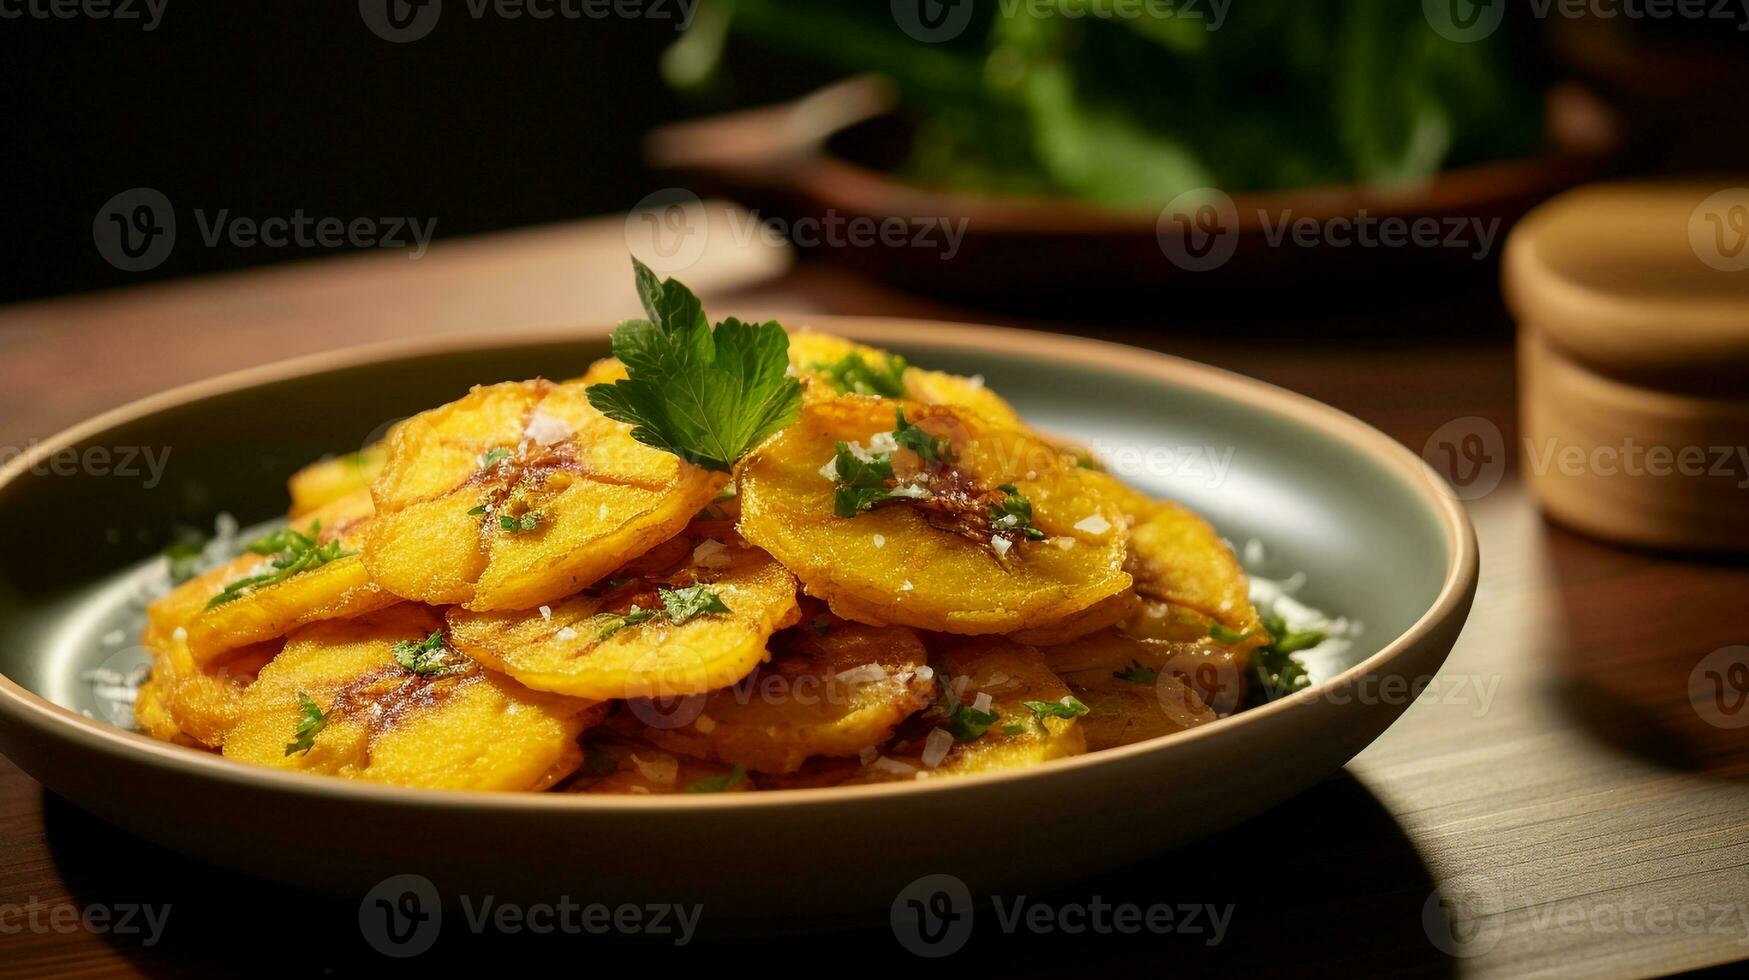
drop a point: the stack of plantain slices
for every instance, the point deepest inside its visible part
(728, 559)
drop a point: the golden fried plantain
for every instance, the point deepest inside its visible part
(815, 355)
(1010, 674)
(215, 614)
(462, 727)
(934, 564)
(595, 645)
(1176, 557)
(195, 705)
(328, 480)
(519, 494)
(616, 764)
(828, 695)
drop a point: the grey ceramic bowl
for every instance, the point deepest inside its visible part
(1376, 534)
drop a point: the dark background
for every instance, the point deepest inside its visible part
(268, 107)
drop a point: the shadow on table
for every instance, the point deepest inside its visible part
(1677, 697)
(1326, 883)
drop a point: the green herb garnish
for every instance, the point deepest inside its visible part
(1137, 673)
(721, 782)
(184, 553)
(1226, 634)
(706, 395)
(967, 723)
(493, 458)
(519, 525)
(933, 449)
(614, 622)
(1285, 640)
(1014, 514)
(1274, 672)
(1014, 728)
(309, 725)
(479, 511)
(1068, 707)
(680, 605)
(862, 483)
(428, 656)
(854, 374)
(293, 553)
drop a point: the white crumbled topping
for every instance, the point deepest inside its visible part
(868, 755)
(225, 526)
(830, 470)
(1064, 543)
(180, 636)
(883, 443)
(906, 586)
(712, 553)
(567, 634)
(662, 770)
(860, 452)
(880, 541)
(936, 746)
(981, 702)
(545, 430)
(1254, 553)
(601, 513)
(1032, 474)
(894, 766)
(1001, 544)
(1093, 524)
(546, 613)
(926, 673)
(705, 724)
(976, 381)
(867, 673)
(910, 491)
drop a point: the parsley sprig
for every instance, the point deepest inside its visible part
(707, 395)
(862, 482)
(310, 724)
(426, 657)
(1014, 514)
(292, 553)
(678, 606)
(1068, 706)
(1277, 674)
(1137, 673)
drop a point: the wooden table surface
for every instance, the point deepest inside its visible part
(1556, 789)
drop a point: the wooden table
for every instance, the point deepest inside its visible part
(1556, 789)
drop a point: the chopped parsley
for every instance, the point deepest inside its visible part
(612, 623)
(966, 723)
(479, 511)
(493, 458)
(1137, 673)
(1068, 707)
(1014, 728)
(1275, 673)
(680, 605)
(862, 483)
(426, 657)
(933, 449)
(292, 553)
(309, 725)
(854, 374)
(1014, 514)
(707, 395)
(720, 782)
(1226, 634)
(519, 525)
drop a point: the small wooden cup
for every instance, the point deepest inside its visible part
(1633, 309)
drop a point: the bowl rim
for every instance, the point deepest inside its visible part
(22, 707)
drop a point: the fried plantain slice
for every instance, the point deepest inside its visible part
(519, 494)
(325, 481)
(834, 366)
(652, 629)
(831, 694)
(308, 573)
(616, 764)
(1177, 558)
(1161, 671)
(193, 705)
(338, 700)
(991, 675)
(949, 562)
